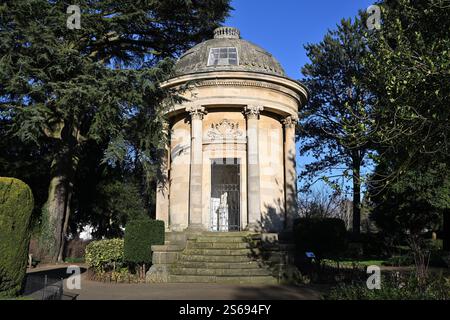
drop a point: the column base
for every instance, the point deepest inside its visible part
(177, 228)
(253, 227)
(194, 228)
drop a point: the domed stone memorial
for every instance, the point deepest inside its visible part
(230, 165)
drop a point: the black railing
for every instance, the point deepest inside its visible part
(225, 179)
(42, 287)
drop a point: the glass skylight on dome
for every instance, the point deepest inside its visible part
(223, 57)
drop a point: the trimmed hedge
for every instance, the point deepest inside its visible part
(103, 255)
(16, 205)
(325, 237)
(140, 235)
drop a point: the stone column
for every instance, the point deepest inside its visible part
(196, 168)
(163, 186)
(253, 177)
(290, 173)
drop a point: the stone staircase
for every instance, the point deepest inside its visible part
(221, 258)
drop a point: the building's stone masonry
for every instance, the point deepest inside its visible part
(246, 112)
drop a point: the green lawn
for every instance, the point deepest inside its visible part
(74, 260)
(351, 263)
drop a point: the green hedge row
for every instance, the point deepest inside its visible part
(106, 255)
(103, 255)
(16, 205)
(325, 237)
(140, 235)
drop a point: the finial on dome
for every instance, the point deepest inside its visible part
(227, 33)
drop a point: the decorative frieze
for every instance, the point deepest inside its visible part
(225, 130)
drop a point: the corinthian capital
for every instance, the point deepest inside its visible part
(196, 112)
(252, 111)
(290, 122)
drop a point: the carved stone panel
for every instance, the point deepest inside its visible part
(225, 130)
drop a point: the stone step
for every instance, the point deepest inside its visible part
(223, 279)
(219, 272)
(212, 258)
(220, 265)
(239, 239)
(222, 234)
(222, 252)
(218, 245)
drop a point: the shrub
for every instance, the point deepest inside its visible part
(104, 255)
(405, 260)
(373, 244)
(120, 275)
(16, 205)
(140, 235)
(326, 237)
(433, 254)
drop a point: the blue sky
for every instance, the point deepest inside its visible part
(283, 27)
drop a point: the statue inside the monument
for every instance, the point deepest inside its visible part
(223, 212)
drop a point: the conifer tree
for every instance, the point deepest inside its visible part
(337, 125)
(62, 88)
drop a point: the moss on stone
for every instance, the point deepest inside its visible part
(16, 205)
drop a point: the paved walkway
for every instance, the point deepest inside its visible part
(174, 291)
(92, 290)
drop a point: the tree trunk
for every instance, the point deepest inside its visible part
(56, 210)
(356, 196)
(66, 221)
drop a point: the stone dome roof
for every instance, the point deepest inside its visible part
(250, 57)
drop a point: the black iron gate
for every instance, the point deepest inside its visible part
(225, 178)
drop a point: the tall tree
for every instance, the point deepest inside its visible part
(107, 196)
(409, 75)
(64, 88)
(337, 124)
(27, 162)
(411, 203)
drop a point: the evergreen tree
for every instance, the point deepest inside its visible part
(412, 203)
(107, 196)
(62, 89)
(409, 76)
(337, 124)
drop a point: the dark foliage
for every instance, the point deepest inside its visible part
(325, 237)
(140, 235)
(16, 204)
(65, 92)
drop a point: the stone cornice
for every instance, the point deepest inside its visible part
(246, 83)
(239, 79)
